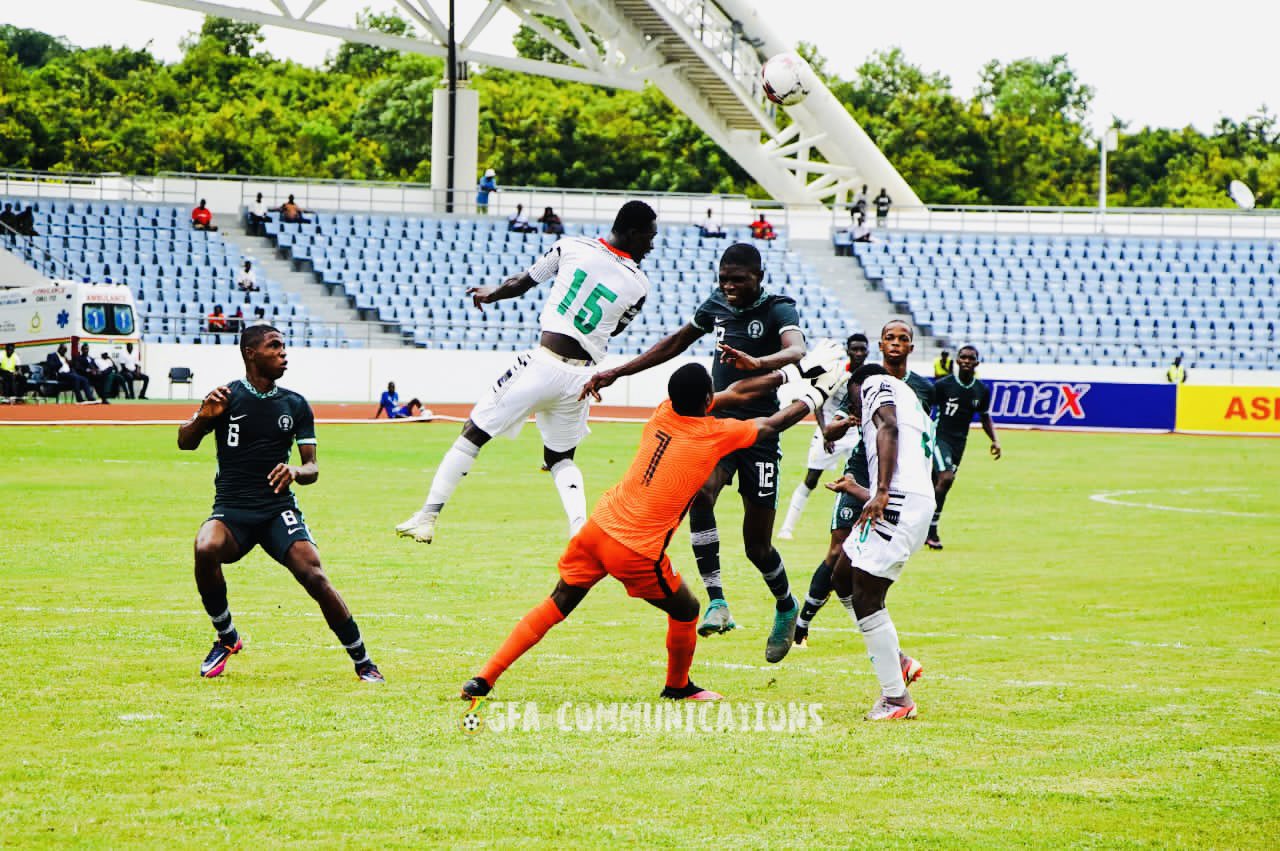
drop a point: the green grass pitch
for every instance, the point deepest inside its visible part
(1097, 675)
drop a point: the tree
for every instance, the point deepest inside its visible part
(365, 60)
(1035, 89)
(31, 48)
(237, 38)
(530, 45)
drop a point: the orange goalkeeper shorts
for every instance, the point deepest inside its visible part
(592, 554)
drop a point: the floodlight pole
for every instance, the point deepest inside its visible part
(1109, 142)
(453, 111)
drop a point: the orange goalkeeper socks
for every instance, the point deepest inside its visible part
(682, 639)
(527, 633)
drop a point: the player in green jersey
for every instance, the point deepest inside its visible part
(756, 331)
(255, 423)
(958, 397)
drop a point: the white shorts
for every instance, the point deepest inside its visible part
(821, 459)
(537, 383)
(882, 550)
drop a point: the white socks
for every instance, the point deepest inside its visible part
(882, 646)
(798, 501)
(455, 464)
(568, 479)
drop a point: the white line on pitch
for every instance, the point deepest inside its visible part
(1109, 498)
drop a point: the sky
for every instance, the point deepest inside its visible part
(1162, 63)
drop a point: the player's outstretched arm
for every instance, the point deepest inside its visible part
(660, 352)
(990, 428)
(837, 428)
(282, 475)
(513, 287)
(791, 352)
(212, 406)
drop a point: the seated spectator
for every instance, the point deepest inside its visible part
(389, 403)
(257, 217)
(551, 222)
(859, 204)
(862, 230)
(131, 371)
(84, 364)
(236, 323)
(113, 383)
(23, 222)
(57, 366)
(293, 214)
(217, 320)
(12, 384)
(8, 222)
(517, 223)
(259, 316)
(202, 218)
(710, 227)
(761, 229)
(247, 279)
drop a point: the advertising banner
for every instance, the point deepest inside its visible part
(1229, 410)
(1083, 404)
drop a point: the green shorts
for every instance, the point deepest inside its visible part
(757, 470)
(848, 508)
(947, 453)
(275, 529)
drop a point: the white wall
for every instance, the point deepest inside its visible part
(359, 375)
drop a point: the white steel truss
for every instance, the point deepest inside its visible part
(705, 55)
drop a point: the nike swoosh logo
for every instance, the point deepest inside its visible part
(294, 529)
(235, 418)
(764, 493)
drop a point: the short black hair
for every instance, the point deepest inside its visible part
(252, 336)
(857, 338)
(742, 254)
(688, 388)
(634, 215)
(901, 322)
(865, 371)
(971, 348)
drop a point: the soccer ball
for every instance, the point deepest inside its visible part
(785, 78)
(471, 723)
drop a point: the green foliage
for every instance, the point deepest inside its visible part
(228, 106)
(530, 45)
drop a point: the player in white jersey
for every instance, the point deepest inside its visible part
(597, 290)
(893, 524)
(825, 454)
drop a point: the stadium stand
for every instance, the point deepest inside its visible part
(412, 273)
(177, 274)
(1087, 300)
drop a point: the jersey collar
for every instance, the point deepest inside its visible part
(270, 394)
(972, 381)
(617, 251)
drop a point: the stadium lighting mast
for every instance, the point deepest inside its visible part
(1109, 142)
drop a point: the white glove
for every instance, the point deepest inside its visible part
(831, 380)
(823, 357)
(801, 391)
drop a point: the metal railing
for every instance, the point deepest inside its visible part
(34, 254)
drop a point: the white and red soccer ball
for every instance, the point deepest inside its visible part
(786, 79)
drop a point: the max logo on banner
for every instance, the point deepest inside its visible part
(1036, 400)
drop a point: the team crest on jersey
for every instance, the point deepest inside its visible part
(755, 329)
(286, 422)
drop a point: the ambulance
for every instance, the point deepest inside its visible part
(39, 319)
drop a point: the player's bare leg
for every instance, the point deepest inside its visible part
(706, 552)
(569, 485)
(757, 537)
(528, 632)
(799, 499)
(941, 486)
(214, 547)
(819, 587)
(303, 561)
(682, 639)
(452, 469)
(863, 595)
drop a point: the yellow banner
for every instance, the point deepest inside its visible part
(1240, 410)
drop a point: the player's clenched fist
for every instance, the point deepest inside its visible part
(215, 403)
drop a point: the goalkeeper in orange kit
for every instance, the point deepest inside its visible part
(632, 524)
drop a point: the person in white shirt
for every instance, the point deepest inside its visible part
(257, 216)
(710, 227)
(895, 519)
(131, 371)
(517, 223)
(597, 288)
(246, 279)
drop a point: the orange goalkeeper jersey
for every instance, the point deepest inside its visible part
(675, 457)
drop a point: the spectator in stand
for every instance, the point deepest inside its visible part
(113, 382)
(389, 404)
(488, 183)
(859, 204)
(84, 364)
(761, 229)
(1176, 374)
(862, 230)
(131, 371)
(12, 383)
(217, 320)
(236, 323)
(883, 202)
(257, 216)
(293, 214)
(259, 316)
(517, 223)
(710, 228)
(24, 222)
(202, 218)
(943, 366)
(551, 222)
(8, 222)
(247, 279)
(57, 366)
